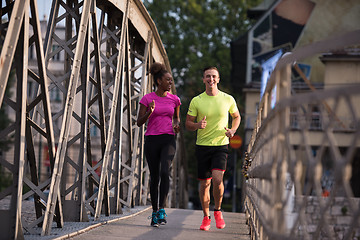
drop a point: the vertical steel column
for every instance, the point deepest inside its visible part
(15, 48)
(8, 49)
(21, 62)
(19, 19)
(39, 122)
(109, 36)
(137, 153)
(119, 71)
(146, 87)
(96, 112)
(80, 201)
(66, 123)
(114, 179)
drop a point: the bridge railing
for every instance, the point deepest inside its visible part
(299, 181)
(76, 89)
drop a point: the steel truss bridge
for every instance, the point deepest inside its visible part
(108, 47)
(284, 196)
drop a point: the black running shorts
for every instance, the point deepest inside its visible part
(210, 158)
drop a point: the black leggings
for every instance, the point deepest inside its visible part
(159, 152)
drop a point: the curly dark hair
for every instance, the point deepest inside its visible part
(157, 70)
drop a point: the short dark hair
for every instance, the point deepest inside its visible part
(211, 68)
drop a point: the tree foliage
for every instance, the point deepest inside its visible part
(197, 33)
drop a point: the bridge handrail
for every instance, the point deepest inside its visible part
(278, 157)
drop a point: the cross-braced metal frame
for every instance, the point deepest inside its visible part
(284, 198)
(94, 148)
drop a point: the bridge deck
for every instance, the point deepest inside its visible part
(182, 224)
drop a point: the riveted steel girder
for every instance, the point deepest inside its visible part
(74, 143)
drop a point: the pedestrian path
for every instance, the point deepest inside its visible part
(71, 229)
(182, 224)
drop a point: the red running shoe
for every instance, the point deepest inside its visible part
(205, 225)
(220, 223)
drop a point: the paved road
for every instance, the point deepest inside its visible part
(182, 224)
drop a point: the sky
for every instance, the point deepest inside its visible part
(44, 7)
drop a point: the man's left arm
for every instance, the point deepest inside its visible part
(235, 123)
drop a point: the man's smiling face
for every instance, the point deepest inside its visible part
(211, 78)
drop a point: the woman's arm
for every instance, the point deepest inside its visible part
(176, 119)
(144, 114)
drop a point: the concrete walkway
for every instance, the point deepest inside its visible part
(182, 224)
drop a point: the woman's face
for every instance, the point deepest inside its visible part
(165, 82)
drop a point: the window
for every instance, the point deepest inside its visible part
(93, 131)
(31, 52)
(294, 118)
(55, 95)
(56, 57)
(30, 90)
(315, 120)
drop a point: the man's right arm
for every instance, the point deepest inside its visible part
(191, 125)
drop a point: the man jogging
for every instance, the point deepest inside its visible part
(209, 114)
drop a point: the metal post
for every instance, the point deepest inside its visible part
(234, 182)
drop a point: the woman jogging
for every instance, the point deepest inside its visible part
(161, 109)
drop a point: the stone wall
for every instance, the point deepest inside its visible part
(339, 216)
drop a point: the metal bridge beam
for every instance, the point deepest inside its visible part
(81, 115)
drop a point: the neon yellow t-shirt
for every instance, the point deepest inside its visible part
(216, 109)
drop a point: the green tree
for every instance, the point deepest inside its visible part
(196, 34)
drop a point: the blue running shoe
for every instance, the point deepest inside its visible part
(161, 215)
(154, 219)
